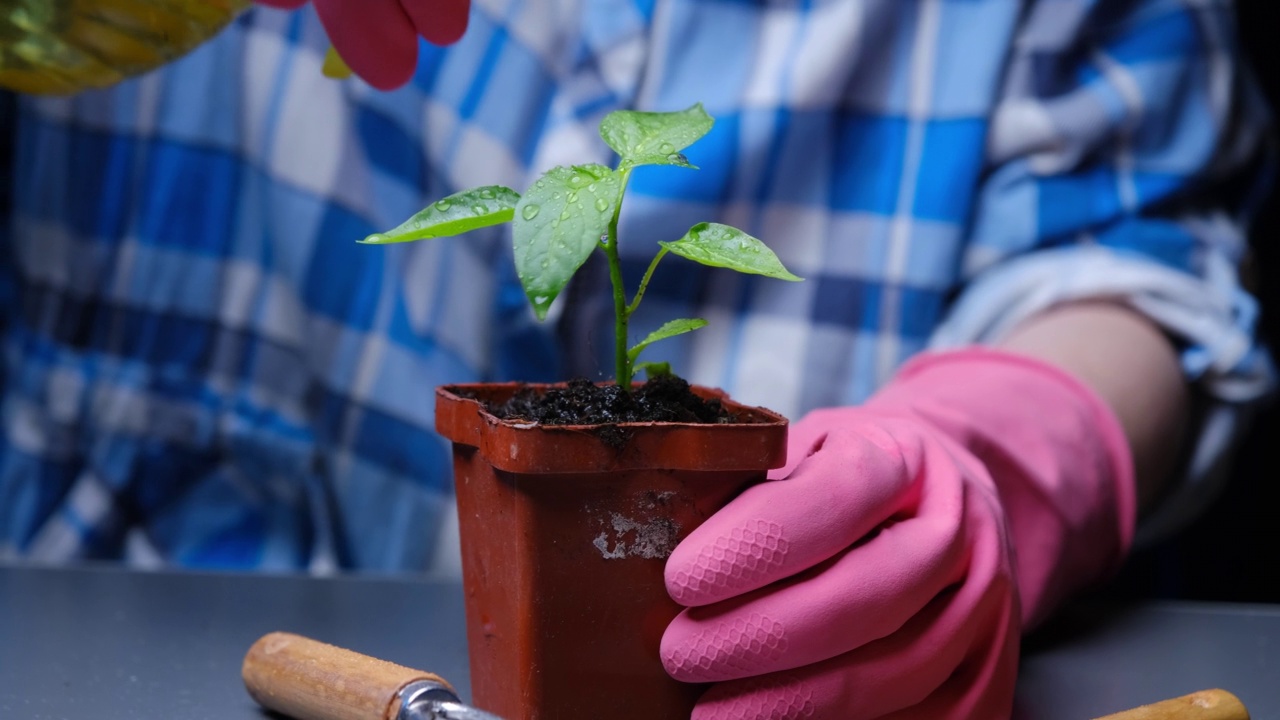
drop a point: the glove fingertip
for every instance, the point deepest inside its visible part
(719, 561)
(440, 22)
(672, 650)
(684, 578)
(802, 442)
(377, 42)
(766, 698)
(388, 76)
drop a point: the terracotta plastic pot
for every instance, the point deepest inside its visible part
(565, 531)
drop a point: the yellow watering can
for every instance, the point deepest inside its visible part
(65, 46)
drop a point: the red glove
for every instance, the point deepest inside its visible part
(378, 39)
(889, 568)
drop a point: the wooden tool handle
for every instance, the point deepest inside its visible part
(310, 680)
(1203, 705)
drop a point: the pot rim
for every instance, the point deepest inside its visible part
(764, 415)
(532, 447)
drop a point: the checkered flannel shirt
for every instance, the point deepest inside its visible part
(201, 367)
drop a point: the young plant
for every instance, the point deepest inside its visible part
(573, 211)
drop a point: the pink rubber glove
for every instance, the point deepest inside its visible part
(890, 567)
(378, 39)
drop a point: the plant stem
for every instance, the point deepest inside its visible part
(621, 311)
(644, 282)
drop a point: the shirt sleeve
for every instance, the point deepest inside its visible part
(1126, 156)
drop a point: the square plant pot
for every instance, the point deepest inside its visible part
(565, 531)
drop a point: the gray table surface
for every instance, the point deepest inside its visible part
(108, 644)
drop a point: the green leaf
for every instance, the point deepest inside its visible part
(728, 247)
(558, 222)
(453, 215)
(654, 138)
(654, 369)
(670, 329)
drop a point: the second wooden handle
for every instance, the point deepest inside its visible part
(1203, 705)
(310, 680)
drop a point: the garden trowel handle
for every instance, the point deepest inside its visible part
(1203, 705)
(310, 680)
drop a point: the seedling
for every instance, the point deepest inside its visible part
(572, 211)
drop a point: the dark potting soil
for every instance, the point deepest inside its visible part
(666, 398)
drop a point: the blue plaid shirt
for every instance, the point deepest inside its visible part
(201, 366)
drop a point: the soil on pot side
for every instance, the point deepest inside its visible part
(666, 398)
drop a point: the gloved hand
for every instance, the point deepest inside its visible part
(378, 39)
(890, 567)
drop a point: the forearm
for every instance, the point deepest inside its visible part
(1132, 366)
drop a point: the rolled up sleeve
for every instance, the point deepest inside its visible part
(1126, 157)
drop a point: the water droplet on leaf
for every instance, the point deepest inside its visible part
(377, 238)
(530, 212)
(665, 148)
(487, 194)
(602, 204)
(443, 205)
(479, 209)
(575, 179)
(564, 215)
